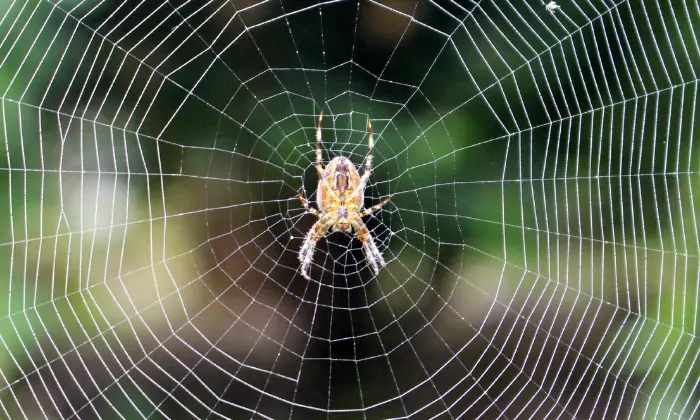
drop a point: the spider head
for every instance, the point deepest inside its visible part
(342, 224)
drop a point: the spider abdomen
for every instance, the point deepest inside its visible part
(343, 179)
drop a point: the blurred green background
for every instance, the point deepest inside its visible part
(542, 238)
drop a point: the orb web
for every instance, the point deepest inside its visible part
(541, 241)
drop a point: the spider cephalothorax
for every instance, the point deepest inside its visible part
(340, 197)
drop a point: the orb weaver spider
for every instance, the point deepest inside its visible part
(340, 197)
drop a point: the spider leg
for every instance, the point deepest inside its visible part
(368, 165)
(374, 257)
(316, 232)
(370, 150)
(370, 155)
(368, 159)
(319, 160)
(305, 203)
(319, 154)
(372, 209)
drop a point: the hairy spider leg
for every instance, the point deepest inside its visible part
(372, 209)
(319, 160)
(372, 254)
(368, 165)
(317, 231)
(309, 209)
(319, 155)
(370, 150)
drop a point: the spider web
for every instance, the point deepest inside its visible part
(541, 240)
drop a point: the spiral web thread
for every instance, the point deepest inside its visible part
(541, 240)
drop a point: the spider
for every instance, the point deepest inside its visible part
(340, 197)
